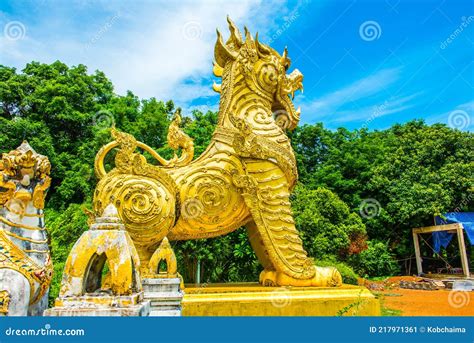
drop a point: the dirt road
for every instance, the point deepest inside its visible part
(429, 303)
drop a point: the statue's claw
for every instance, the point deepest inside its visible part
(324, 277)
(336, 278)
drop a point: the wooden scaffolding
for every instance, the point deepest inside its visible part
(452, 228)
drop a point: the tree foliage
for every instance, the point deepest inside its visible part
(376, 260)
(412, 171)
(327, 226)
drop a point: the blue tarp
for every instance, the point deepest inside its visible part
(443, 238)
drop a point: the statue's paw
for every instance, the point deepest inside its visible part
(268, 278)
(324, 277)
(327, 277)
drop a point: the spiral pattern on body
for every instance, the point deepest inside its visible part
(209, 197)
(146, 206)
(268, 76)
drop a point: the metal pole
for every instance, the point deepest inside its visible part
(198, 272)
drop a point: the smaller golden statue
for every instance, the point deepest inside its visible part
(165, 254)
(178, 139)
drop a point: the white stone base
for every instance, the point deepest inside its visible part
(166, 313)
(164, 295)
(100, 306)
(139, 310)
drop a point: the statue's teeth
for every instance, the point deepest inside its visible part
(298, 111)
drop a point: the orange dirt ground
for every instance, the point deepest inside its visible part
(422, 302)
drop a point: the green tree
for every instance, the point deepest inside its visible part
(412, 170)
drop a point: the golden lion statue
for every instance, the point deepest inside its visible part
(244, 178)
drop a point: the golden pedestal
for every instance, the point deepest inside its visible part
(252, 299)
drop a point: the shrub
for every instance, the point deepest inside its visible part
(64, 229)
(376, 260)
(328, 228)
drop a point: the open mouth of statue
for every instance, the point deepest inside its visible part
(285, 114)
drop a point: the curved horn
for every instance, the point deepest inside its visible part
(222, 53)
(248, 36)
(284, 58)
(235, 35)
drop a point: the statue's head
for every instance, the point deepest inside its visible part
(24, 179)
(265, 72)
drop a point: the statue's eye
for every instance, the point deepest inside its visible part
(286, 67)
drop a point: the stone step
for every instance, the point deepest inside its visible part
(165, 307)
(164, 295)
(165, 313)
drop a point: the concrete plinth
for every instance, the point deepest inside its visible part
(164, 295)
(100, 306)
(252, 299)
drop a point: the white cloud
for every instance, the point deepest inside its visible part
(160, 49)
(331, 103)
(390, 105)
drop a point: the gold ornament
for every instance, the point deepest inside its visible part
(178, 139)
(4, 301)
(12, 257)
(244, 177)
(17, 164)
(166, 254)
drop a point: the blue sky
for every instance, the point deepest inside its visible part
(366, 63)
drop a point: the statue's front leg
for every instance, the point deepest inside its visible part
(273, 234)
(38, 308)
(18, 289)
